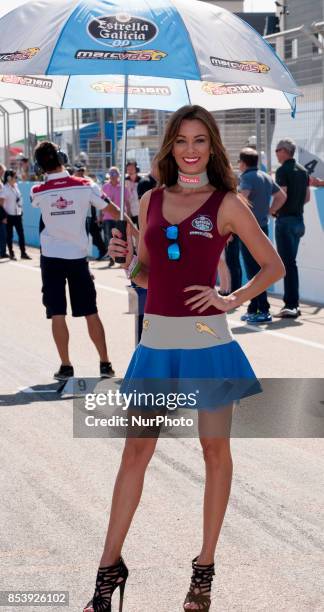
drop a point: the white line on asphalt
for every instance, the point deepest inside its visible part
(231, 321)
(277, 334)
(111, 289)
(26, 267)
(31, 390)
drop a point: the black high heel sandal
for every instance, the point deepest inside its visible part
(108, 579)
(200, 587)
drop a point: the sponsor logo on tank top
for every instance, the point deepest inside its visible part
(202, 226)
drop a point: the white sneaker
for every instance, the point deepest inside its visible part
(289, 313)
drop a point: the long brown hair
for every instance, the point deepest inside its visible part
(218, 169)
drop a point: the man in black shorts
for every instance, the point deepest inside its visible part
(64, 201)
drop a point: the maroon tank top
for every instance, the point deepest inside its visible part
(200, 246)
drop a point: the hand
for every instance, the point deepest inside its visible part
(315, 182)
(120, 248)
(209, 296)
(272, 211)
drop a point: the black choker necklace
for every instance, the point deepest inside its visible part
(192, 181)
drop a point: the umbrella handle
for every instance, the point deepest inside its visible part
(121, 225)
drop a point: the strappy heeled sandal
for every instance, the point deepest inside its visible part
(200, 587)
(108, 579)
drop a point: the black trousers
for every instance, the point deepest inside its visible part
(94, 229)
(232, 257)
(15, 221)
(259, 302)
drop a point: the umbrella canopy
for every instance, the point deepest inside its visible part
(178, 39)
(181, 39)
(100, 91)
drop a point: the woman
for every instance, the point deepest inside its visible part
(183, 230)
(11, 200)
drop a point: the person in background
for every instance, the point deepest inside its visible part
(23, 168)
(112, 189)
(11, 200)
(232, 260)
(258, 188)
(132, 179)
(294, 180)
(3, 233)
(2, 172)
(150, 180)
(92, 221)
(64, 201)
(316, 182)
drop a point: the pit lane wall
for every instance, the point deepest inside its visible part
(310, 254)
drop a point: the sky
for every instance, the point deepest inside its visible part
(261, 6)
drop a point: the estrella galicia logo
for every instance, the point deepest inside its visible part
(122, 30)
(202, 223)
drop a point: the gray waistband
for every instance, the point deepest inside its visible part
(185, 332)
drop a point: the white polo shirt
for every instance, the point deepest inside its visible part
(64, 201)
(12, 199)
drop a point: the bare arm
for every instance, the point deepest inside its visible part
(316, 182)
(235, 217)
(308, 195)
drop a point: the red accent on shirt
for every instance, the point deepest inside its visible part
(200, 246)
(61, 183)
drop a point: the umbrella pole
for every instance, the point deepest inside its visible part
(124, 150)
(121, 224)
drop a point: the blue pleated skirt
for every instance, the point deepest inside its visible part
(190, 353)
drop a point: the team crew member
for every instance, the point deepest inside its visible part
(11, 200)
(294, 180)
(259, 188)
(64, 201)
(184, 227)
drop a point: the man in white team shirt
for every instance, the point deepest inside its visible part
(64, 201)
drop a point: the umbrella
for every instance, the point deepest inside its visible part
(178, 39)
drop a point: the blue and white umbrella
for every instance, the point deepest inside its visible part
(178, 39)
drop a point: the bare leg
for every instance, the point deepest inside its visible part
(97, 335)
(127, 493)
(61, 337)
(214, 437)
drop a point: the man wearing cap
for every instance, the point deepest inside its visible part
(294, 180)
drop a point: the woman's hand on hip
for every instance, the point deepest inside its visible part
(207, 297)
